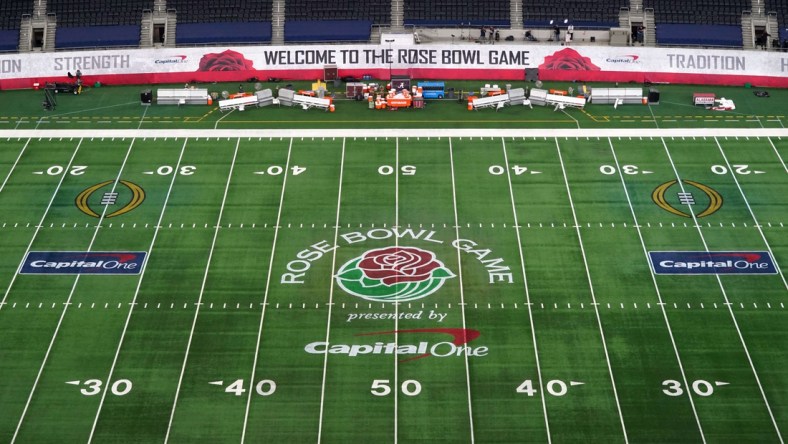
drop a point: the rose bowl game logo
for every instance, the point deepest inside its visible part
(393, 274)
(568, 60)
(228, 60)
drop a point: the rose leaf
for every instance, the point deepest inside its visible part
(353, 274)
(442, 272)
(367, 282)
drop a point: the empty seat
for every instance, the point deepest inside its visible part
(708, 12)
(211, 11)
(11, 12)
(80, 13)
(601, 12)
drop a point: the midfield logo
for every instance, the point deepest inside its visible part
(393, 274)
(83, 262)
(686, 198)
(110, 198)
(715, 262)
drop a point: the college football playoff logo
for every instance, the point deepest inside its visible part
(393, 274)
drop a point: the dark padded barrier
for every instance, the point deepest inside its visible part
(328, 30)
(226, 32)
(701, 35)
(9, 40)
(97, 36)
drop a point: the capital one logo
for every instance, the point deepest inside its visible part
(393, 274)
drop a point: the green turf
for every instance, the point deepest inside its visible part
(218, 292)
(118, 107)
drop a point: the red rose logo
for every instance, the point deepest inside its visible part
(398, 264)
(568, 60)
(225, 61)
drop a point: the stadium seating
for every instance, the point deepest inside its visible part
(578, 12)
(11, 12)
(708, 12)
(212, 11)
(781, 8)
(82, 13)
(377, 11)
(455, 12)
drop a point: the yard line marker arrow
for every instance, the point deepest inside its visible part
(216, 383)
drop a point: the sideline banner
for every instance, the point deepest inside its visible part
(462, 61)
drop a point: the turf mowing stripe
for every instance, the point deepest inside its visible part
(202, 291)
(267, 286)
(331, 293)
(591, 288)
(752, 214)
(725, 295)
(71, 292)
(40, 224)
(527, 292)
(462, 293)
(8, 176)
(137, 291)
(658, 292)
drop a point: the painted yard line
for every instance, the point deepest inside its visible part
(462, 291)
(752, 214)
(658, 292)
(142, 119)
(527, 293)
(727, 301)
(570, 116)
(108, 379)
(331, 294)
(11, 171)
(70, 295)
(265, 295)
(651, 110)
(216, 125)
(382, 133)
(591, 289)
(396, 304)
(40, 224)
(782, 162)
(202, 292)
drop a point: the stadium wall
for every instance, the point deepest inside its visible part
(468, 61)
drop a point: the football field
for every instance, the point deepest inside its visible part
(394, 286)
